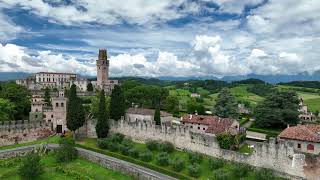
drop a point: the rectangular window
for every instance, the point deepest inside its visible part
(51, 115)
(299, 146)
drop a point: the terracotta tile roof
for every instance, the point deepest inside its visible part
(215, 124)
(144, 111)
(309, 133)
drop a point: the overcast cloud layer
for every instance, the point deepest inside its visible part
(161, 38)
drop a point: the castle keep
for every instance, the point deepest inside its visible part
(62, 80)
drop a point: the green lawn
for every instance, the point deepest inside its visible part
(245, 149)
(80, 167)
(206, 173)
(52, 139)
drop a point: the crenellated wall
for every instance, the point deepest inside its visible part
(276, 156)
(16, 132)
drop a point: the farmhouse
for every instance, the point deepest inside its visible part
(210, 124)
(304, 138)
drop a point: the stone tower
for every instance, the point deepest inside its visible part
(102, 68)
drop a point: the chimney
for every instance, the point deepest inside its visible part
(196, 112)
(219, 120)
(102, 54)
(190, 117)
(288, 125)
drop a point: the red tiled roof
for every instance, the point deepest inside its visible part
(143, 111)
(309, 133)
(215, 124)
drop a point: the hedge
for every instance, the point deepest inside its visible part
(138, 162)
(269, 133)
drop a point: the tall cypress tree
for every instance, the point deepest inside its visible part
(157, 117)
(47, 97)
(102, 127)
(75, 111)
(117, 104)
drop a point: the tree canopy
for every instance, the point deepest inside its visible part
(47, 97)
(102, 127)
(75, 110)
(6, 110)
(157, 116)
(172, 104)
(277, 110)
(117, 103)
(226, 105)
(19, 96)
(89, 87)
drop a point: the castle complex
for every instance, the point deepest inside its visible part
(61, 81)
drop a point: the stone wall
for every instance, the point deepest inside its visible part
(136, 171)
(277, 156)
(16, 132)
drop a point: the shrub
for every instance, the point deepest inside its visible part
(146, 156)
(264, 174)
(133, 152)
(194, 170)
(240, 170)
(125, 146)
(178, 164)
(216, 163)
(195, 157)
(103, 143)
(152, 145)
(66, 152)
(167, 147)
(113, 146)
(225, 140)
(163, 159)
(31, 167)
(222, 175)
(117, 138)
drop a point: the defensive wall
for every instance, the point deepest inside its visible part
(277, 156)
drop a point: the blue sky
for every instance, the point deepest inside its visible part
(161, 38)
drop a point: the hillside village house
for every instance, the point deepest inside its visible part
(143, 114)
(304, 138)
(210, 124)
(305, 115)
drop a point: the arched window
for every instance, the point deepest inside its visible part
(57, 104)
(62, 105)
(310, 147)
(36, 110)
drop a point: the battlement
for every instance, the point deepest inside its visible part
(21, 131)
(274, 155)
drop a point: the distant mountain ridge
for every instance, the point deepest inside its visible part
(274, 79)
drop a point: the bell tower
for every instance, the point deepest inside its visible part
(102, 68)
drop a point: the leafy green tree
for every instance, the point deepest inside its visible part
(31, 167)
(226, 105)
(117, 104)
(6, 110)
(75, 111)
(89, 87)
(19, 96)
(157, 117)
(102, 127)
(47, 97)
(94, 106)
(225, 140)
(277, 110)
(172, 104)
(66, 151)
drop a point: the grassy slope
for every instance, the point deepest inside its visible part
(312, 100)
(84, 167)
(206, 173)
